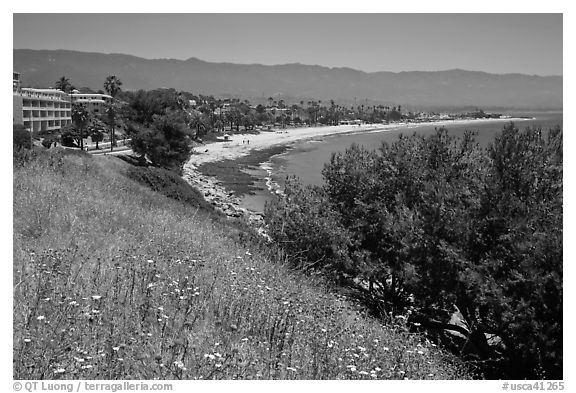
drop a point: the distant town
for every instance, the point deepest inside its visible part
(48, 112)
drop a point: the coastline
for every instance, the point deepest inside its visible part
(225, 171)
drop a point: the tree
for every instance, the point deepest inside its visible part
(112, 85)
(96, 132)
(81, 119)
(21, 138)
(168, 143)
(436, 222)
(64, 84)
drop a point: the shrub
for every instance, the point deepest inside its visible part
(308, 229)
(433, 223)
(167, 144)
(168, 184)
(21, 137)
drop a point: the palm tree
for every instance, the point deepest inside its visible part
(80, 117)
(64, 84)
(112, 86)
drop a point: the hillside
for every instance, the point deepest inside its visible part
(453, 88)
(115, 281)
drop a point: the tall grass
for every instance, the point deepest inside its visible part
(115, 281)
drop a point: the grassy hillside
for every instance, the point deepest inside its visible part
(113, 280)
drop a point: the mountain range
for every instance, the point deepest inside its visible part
(414, 89)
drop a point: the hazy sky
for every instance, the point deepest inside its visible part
(496, 43)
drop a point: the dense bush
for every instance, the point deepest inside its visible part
(21, 137)
(168, 143)
(168, 184)
(430, 224)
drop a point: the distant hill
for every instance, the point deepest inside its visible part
(453, 88)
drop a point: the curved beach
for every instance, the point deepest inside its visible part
(237, 147)
(241, 146)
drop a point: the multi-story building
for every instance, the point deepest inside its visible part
(94, 103)
(45, 109)
(40, 109)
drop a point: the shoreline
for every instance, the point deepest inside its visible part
(220, 171)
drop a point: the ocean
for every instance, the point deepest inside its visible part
(306, 159)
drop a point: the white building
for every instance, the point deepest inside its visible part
(94, 103)
(40, 109)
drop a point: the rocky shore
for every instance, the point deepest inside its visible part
(223, 200)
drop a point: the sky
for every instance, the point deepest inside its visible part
(496, 43)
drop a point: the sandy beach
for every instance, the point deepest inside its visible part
(237, 146)
(246, 145)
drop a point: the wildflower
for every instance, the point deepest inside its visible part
(244, 339)
(96, 297)
(361, 348)
(87, 366)
(179, 364)
(115, 348)
(376, 341)
(430, 375)
(291, 369)
(60, 371)
(27, 340)
(218, 365)
(324, 330)
(363, 372)
(161, 308)
(421, 353)
(386, 348)
(73, 303)
(150, 261)
(40, 317)
(377, 369)
(47, 299)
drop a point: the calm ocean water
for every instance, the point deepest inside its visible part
(306, 159)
